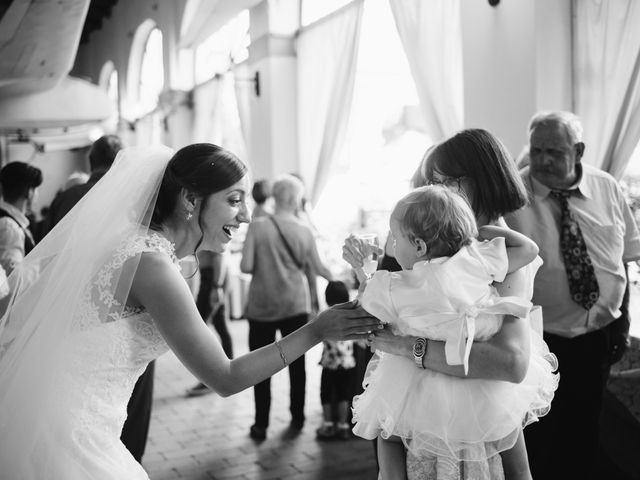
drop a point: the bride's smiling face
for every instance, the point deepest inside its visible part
(223, 213)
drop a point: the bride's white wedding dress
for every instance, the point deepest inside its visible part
(102, 359)
(71, 349)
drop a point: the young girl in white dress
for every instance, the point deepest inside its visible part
(445, 293)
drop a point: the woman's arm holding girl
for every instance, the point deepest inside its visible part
(505, 356)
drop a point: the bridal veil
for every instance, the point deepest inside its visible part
(49, 288)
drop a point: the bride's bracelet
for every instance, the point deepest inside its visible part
(282, 355)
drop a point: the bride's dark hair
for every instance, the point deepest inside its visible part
(200, 168)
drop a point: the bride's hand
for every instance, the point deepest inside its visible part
(346, 321)
(355, 250)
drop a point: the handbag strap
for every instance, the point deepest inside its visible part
(286, 244)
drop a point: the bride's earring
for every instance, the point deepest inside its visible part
(189, 216)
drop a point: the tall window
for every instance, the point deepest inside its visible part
(385, 139)
(223, 49)
(151, 73)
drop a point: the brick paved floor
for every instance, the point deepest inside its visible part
(207, 437)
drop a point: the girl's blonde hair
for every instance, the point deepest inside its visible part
(438, 216)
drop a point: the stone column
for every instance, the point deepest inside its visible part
(273, 142)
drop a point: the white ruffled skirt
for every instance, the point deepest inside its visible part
(458, 418)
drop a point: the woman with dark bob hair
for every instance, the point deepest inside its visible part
(102, 295)
(475, 164)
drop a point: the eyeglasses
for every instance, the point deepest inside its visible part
(448, 182)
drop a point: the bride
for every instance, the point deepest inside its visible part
(102, 295)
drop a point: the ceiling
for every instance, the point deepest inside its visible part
(39, 41)
(98, 10)
(38, 45)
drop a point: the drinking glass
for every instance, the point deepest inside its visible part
(370, 264)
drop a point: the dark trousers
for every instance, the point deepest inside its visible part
(219, 317)
(136, 427)
(336, 385)
(264, 333)
(564, 443)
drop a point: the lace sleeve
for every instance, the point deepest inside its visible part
(103, 299)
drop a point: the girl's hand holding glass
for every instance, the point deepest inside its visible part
(357, 249)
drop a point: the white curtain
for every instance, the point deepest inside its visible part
(207, 103)
(215, 115)
(244, 90)
(150, 129)
(607, 80)
(327, 56)
(431, 34)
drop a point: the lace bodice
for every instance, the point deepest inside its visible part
(111, 347)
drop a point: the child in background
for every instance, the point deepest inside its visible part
(445, 292)
(338, 376)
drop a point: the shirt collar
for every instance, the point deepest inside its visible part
(15, 213)
(425, 263)
(542, 191)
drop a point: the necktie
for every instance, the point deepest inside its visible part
(583, 284)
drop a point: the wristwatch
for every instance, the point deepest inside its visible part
(419, 351)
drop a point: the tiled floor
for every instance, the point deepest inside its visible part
(207, 437)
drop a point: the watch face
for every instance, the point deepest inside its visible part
(419, 347)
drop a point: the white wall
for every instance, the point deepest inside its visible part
(516, 61)
(499, 68)
(553, 55)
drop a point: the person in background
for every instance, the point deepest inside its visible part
(304, 213)
(338, 376)
(19, 182)
(586, 232)
(39, 227)
(101, 156)
(261, 193)
(275, 253)
(75, 178)
(211, 303)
